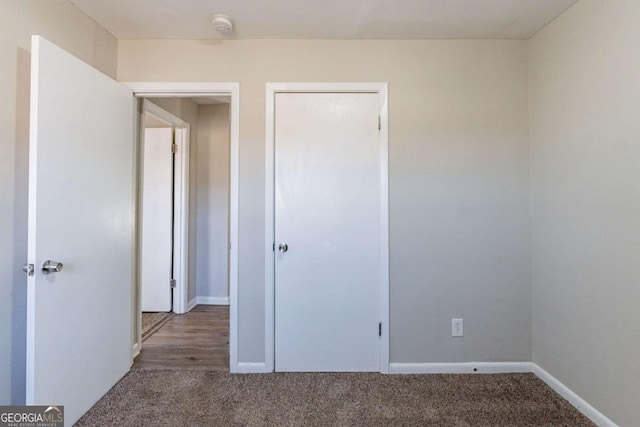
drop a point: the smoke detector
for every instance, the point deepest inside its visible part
(222, 23)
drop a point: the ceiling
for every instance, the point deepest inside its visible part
(325, 19)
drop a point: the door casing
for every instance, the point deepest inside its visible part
(207, 89)
(271, 90)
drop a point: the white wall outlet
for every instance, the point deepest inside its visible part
(457, 328)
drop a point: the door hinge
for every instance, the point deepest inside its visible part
(172, 283)
(174, 148)
(274, 246)
(379, 329)
(379, 122)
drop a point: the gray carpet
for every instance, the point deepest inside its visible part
(151, 322)
(213, 398)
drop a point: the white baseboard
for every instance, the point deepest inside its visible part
(461, 368)
(212, 300)
(192, 304)
(207, 301)
(581, 405)
(251, 368)
(135, 350)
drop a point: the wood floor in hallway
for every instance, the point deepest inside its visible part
(195, 340)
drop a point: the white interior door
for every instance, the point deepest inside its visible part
(81, 213)
(157, 219)
(327, 212)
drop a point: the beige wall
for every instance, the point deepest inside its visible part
(60, 22)
(187, 110)
(212, 201)
(584, 93)
(459, 178)
(150, 122)
(459, 183)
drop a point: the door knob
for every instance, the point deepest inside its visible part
(283, 247)
(49, 267)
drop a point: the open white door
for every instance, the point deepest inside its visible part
(157, 219)
(81, 213)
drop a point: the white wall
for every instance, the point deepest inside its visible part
(584, 92)
(187, 110)
(212, 250)
(459, 178)
(62, 23)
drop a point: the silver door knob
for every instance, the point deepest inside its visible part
(283, 247)
(49, 267)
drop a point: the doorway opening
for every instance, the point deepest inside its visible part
(202, 122)
(164, 224)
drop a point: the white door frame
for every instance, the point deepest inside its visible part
(269, 253)
(205, 89)
(180, 198)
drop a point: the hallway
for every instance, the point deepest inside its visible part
(195, 340)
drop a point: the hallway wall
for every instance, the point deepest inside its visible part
(212, 249)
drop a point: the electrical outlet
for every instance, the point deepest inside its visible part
(457, 328)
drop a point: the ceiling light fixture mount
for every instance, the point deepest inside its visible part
(222, 23)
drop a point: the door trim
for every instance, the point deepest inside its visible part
(269, 255)
(202, 89)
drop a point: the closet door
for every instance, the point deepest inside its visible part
(327, 231)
